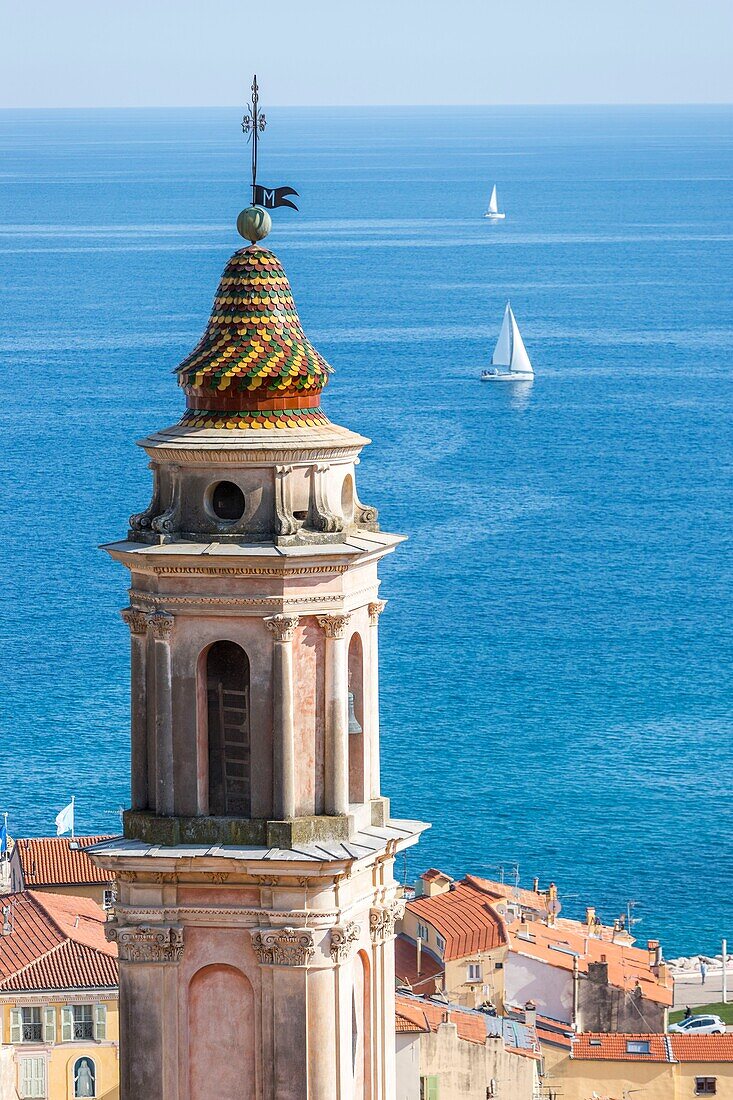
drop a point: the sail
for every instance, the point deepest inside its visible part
(520, 360)
(502, 356)
(493, 203)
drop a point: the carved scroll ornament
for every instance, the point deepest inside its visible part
(343, 938)
(334, 626)
(283, 946)
(282, 627)
(152, 943)
(376, 607)
(136, 620)
(382, 920)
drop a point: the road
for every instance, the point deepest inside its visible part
(689, 990)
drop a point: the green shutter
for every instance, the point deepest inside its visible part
(100, 1022)
(67, 1024)
(430, 1088)
(16, 1025)
(49, 1026)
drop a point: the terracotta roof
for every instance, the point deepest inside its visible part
(57, 861)
(254, 367)
(432, 874)
(662, 1048)
(702, 1048)
(406, 967)
(526, 898)
(627, 965)
(56, 942)
(464, 917)
(614, 1047)
(426, 1016)
(553, 1038)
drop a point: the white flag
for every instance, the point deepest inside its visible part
(65, 820)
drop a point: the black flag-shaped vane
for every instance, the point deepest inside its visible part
(271, 197)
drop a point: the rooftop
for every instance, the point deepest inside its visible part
(627, 966)
(418, 1015)
(653, 1048)
(464, 917)
(406, 966)
(59, 861)
(54, 942)
(528, 899)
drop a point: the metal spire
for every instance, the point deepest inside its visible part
(253, 123)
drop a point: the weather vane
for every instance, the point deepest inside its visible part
(253, 124)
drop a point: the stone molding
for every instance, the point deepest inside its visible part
(136, 620)
(161, 625)
(146, 943)
(135, 915)
(343, 939)
(282, 627)
(236, 571)
(238, 602)
(334, 626)
(301, 456)
(376, 607)
(283, 946)
(382, 919)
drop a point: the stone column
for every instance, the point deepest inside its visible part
(162, 626)
(283, 631)
(376, 607)
(138, 624)
(337, 713)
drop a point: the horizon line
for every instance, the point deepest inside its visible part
(358, 106)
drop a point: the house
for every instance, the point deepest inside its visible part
(445, 1053)
(581, 974)
(60, 864)
(58, 998)
(657, 1067)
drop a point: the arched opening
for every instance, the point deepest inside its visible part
(227, 691)
(221, 1053)
(85, 1077)
(356, 719)
(347, 498)
(361, 1039)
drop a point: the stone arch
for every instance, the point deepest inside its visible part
(357, 736)
(362, 1027)
(84, 1077)
(221, 1034)
(224, 730)
(347, 499)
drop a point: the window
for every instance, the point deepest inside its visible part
(26, 1027)
(473, 972)
(227, 679)
(226, 501)
(429, 1088)
(637, 1046)
(422, 931)
(705, 1086)
(32, 1077)
(85, 1075)
(83, 1022)
(441, 943)
(108, 899)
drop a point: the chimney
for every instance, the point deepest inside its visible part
(654, 948)
(419, 955)
(590, 915)
(536, 885)
(530, 1014)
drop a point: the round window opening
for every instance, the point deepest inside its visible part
(227, 501)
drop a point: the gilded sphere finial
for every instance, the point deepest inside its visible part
(254, 223)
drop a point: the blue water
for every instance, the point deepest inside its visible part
(557, 649)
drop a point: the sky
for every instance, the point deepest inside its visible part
(141, 53)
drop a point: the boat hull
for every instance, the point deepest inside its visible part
(508, 377)
(495, 217)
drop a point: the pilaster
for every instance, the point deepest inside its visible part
(138, 624)
(337, 713)
(282, 628)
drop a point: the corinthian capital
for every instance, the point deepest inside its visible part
(162, 625)
(376, 607)
(283, 946)
(282, 627)
(136, 620)
(334, 626)
(146, 943)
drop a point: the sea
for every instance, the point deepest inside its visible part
(557, 647)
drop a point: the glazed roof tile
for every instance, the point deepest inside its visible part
(59, 861)
(465, 918)
(56, 942)
(254, 365)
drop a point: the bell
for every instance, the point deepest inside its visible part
(354, 726)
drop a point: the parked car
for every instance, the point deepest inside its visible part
(699, 1025)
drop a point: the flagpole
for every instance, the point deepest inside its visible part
(72, 816)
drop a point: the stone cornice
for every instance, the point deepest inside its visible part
(322, 919)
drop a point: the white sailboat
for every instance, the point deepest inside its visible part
(493, 211)
(509, 354)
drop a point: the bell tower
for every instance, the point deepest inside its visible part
(257, 901)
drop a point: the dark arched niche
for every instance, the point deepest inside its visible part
(227, 693)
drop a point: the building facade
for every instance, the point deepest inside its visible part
(58, 1000)
(60, 864)
(257, 900)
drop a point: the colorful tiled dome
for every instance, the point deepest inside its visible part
(254, 366)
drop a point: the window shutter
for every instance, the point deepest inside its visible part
(16, 1025)
(100, 1022)
(433, 1088)
(49, 1026)
(67, 1024)
(33, 1077)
